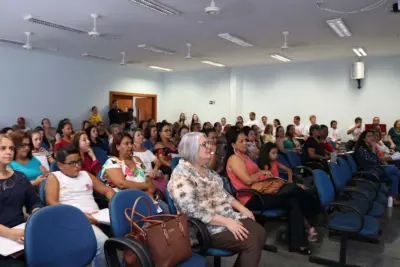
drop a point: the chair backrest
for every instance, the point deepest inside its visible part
(282, 160)
(125, 199)
(54, 167)
(100, 153)
(352, 164)
(228, 185)
(324, 186)
(171, 205)
(345, 169)
(42, 193)
(337, 176)
(294, 159)
(174, 162)
(61, 236)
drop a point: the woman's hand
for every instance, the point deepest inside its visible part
(246, 212)
(92, 220)
(58, 138)
(39, 180)
(237, 229)
(392, 146)
(16, 235)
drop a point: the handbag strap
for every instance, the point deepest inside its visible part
(133, 212)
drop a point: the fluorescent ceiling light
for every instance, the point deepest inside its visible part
(234, 39)
(281, 58)
(213, 63)
(156, 6)
(155, 49)
(159, 68)
(359, 52)
(339, 27)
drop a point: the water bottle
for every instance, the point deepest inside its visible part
(390, 201)
(334, 157)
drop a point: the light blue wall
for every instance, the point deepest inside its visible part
(36, 85)
(282, 91)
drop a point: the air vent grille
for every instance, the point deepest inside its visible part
(53, 25)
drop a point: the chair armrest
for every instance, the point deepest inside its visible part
(121, 243)
(372, 185)
(254, 193)
(203, 235)
(352, 190)
(344, 206)
(374, 176)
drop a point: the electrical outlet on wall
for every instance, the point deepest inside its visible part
(212, 102)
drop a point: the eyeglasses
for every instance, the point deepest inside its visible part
(74, 163)
(206, 144)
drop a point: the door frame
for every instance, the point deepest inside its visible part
(153, 98)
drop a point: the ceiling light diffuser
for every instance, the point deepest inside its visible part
(157, 6)
(339, 27)
(160, 68)
(213, 63)
(280, 58)
(234, 39)
(155, 49)
(360, 52)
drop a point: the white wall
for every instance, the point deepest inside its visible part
(36, 85)
(284, 90)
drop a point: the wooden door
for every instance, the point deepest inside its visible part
(124, 101)
(145, 108)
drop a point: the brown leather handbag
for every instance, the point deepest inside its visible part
(165, 235)
(269, 186)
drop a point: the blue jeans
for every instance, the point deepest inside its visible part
(393, 174)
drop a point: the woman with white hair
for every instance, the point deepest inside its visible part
(198, 192)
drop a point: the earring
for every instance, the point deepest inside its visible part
(234, 150)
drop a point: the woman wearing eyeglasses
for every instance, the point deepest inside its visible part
(24, 161)
(15, 192)
(71, 186)
(164, 149)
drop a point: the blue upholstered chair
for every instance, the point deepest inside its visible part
(362, 199)
(54, 167)
(120, 227)
(204, 247)
(42, 193)
(342, 218)
(174, 162)
(59, 236)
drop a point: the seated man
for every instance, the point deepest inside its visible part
(71, 186)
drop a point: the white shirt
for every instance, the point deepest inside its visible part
(307, 130)
(356, 133)
(300, 128)
(147, 158)
(334, 134)
(252, 122)
(77, 191)
(263, 126)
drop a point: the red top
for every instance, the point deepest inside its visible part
(61, 144)
(275, 168)
(252, 168)
(90, 166)
(327, 146)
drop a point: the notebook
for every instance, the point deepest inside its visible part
(9, 247)
(102, 216)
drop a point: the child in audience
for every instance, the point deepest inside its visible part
(66, 137)
(39, 152)
(72, 186)
(24, 161)
(90, 163)
(16, 193)
(95, 118)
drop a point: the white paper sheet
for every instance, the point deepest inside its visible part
(102, 216)
(9, 247)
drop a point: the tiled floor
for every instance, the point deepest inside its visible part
(386, 254)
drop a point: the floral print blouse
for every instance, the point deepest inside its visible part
(138, 175)
(201, 197)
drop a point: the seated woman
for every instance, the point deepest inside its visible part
(268, 136)
(46, 144)
(103, 134)
(49, 132)
(243, 173)
(279, 138)
(67, 133)
(99, 146)
(95, 117)
(276, 123)
(71, 186)
(150, 136)
(182, 120)
(123, 171)
(199, 192)
(16, 193)
(314, 153)
(24, 161)
(164, 148)
(207, 125)
(39, 152)
(148, 159)
(218, 129)
(85, 125)
(181, 132)
(253, 148)
(323, 139)
(195, 127)
(291, 142)
(368, 159)
(90, 163)
(394, 136)
(216, 161)
(115, 129)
